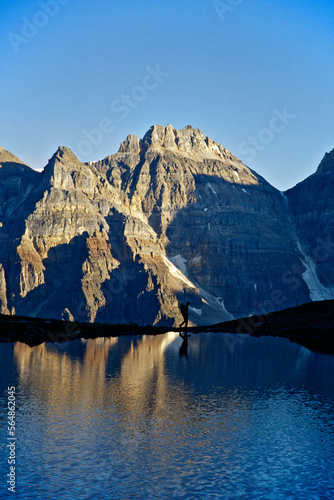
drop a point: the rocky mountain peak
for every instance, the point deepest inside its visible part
(15, 177)
(327, 163)
(188, 148)
(64, 154)
(8, 158)
(130, 145)
(63, 157)
(64, 169)
(189, 142)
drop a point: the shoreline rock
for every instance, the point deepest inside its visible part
(310, 325)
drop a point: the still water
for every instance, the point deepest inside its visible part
(144, 418)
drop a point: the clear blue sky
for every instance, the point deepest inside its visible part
(230, 68)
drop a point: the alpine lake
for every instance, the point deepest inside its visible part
(209, 416)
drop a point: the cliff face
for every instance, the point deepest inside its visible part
(169, 218)
(312, 205)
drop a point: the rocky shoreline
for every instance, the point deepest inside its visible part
(310, 325)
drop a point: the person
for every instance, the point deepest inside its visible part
(184, 312)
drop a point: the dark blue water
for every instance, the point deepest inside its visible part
(136, 418)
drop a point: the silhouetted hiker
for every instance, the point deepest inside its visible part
(184, 312)
(184, 347)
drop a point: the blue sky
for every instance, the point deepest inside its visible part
(255, 75)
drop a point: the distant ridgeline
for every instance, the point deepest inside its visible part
(171, 218)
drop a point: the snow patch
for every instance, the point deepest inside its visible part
(176, 272)
(180, 262)
(216, 148)
(285, 198)
(212, 189)
(216, 303)
(237, 175)
(197, 311)
(221, 302)
(177, 266)
(317, 290)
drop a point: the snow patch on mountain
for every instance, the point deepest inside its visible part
(317, 290)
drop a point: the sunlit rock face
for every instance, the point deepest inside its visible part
(169, 218)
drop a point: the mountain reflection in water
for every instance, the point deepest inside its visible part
(129, 418)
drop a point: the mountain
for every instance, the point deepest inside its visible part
(312, 205)
(168, 218)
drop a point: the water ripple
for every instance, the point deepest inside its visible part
(130, 420)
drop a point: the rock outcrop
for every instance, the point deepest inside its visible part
(169, 218)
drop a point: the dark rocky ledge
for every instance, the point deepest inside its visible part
(310, 325)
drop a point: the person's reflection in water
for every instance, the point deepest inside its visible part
(185, 314)
(184, 347)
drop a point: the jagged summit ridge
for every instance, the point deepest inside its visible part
(189, 148)
(188, 143)
(189, 140)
